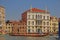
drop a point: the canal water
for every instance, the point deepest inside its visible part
(7, 37)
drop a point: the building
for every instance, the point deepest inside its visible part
(9, 26)
(19, 28)
(33, 21)
(37, 20)
(54, 24)
(59, 28)
(2, 20)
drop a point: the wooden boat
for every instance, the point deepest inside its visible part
(30, 34)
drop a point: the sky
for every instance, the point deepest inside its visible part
(14, 8)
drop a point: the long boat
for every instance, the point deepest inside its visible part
(30, 34)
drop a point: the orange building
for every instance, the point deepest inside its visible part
(19, 28)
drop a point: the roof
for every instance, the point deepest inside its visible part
(53, 17)
(15, 22)
(36, 10)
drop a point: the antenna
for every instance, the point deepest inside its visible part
(31, 8)
(46, 9)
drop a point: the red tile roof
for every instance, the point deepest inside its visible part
(36, 10)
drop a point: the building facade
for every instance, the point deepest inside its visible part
(9, 26)
(19, 28)
(2, 20)
(54, 24)
(33, 20)
(37, 20)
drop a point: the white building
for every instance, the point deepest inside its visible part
(38, 21)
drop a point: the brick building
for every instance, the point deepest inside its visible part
(19, 28)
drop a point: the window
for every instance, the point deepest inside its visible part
(32, 16)
(44, 30)
(43, 17)
(18, 30)
(54, 24)
(44, 27)
(38, 22)
(9, 24)
(28, 22)
(28, 16)
(36, 26)
(36, 16)
(9, 27)
(28, 26)
(29, 30)
(40, 16)
(47, 30)
(47, 23)
(33, 27)
(47, 17)
(44, 23)
(32, 22)
(38, 30)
